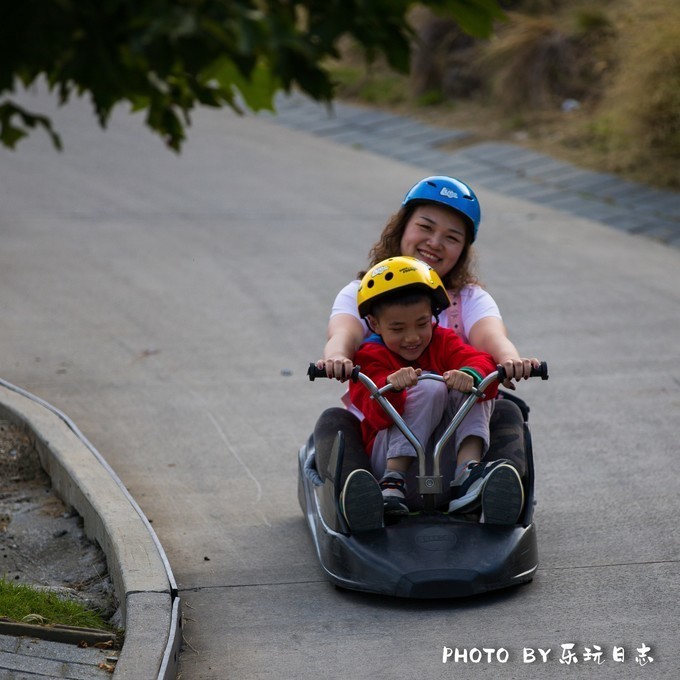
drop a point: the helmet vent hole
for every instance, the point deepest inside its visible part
(432, 184)
(370, 284)
(389, 276)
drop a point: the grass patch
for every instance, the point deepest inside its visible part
(430, 98)
(380, 87)
(26, 604)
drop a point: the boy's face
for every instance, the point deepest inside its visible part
(405, 329)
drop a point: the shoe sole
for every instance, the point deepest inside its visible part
(502, 496)
(362, 502)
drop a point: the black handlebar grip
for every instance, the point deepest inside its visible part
(540, 372)
(315, 372)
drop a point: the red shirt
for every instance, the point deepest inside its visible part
(445, 352)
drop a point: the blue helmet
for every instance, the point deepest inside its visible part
(450, 192)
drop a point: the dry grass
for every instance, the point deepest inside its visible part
(530, 63)
(616, 62)
(637, 125)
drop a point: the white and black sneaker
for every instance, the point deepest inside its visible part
(502, 496)
(494, 488)
(361, 502)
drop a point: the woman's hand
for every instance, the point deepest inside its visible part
(489, 335)
(345, 334)
(518, 369)
(337, 367)
(404, 377)
(457, 380)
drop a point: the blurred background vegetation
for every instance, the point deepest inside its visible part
(594, 83)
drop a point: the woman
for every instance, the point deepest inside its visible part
(437, 223)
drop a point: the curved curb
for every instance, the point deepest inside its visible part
(141, 574)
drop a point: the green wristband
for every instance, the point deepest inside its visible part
(471, 372)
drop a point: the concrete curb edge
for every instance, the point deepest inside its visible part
(141, 574)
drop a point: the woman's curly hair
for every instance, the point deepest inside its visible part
(389, 245)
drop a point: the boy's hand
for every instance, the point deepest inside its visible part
(404, 377)
(456, 380)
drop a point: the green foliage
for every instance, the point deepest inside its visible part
(430, 98)
(589, 20)
(20, 602)
(376, 86)
(11, 131)
(389, 89)
(167, 56)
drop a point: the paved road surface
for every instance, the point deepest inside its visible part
(170, 305)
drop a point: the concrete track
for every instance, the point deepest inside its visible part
(169, 305)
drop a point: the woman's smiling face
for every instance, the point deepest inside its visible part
(435, 235)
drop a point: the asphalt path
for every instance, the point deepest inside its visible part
(169, 305)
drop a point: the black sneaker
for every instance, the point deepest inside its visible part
(393, 489)
(466, 489)
(361, 502)
(502, 496)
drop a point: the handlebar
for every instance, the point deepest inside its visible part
(541, 372)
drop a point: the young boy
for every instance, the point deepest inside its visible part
(398, 298)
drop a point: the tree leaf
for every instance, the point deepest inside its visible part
(10, 133)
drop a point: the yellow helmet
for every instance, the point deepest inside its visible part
(403, 274)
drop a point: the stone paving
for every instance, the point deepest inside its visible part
(501, 166)
(22, 658)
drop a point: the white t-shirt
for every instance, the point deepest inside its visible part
(475, 304)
